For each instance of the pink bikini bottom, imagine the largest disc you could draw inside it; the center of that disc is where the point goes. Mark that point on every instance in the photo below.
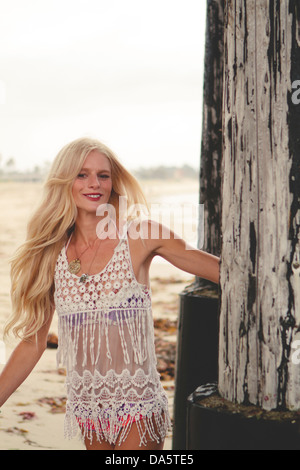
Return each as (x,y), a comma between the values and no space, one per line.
(122,422)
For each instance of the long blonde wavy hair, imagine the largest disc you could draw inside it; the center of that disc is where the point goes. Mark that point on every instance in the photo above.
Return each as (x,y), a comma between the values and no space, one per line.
(33,265)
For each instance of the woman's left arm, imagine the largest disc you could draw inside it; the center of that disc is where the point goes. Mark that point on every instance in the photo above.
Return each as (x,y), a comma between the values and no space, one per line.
(185,257)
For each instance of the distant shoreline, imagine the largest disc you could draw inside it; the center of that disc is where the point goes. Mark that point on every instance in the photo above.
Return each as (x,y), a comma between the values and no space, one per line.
(160,173)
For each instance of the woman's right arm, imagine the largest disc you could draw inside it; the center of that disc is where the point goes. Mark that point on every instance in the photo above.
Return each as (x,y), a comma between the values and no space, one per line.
(22,361)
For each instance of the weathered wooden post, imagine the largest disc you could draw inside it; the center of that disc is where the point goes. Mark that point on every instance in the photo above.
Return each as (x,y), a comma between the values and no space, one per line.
(260,274)
(197,346)
(260,261)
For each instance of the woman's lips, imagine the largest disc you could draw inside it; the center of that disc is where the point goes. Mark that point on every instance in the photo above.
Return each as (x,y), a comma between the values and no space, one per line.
(93,196)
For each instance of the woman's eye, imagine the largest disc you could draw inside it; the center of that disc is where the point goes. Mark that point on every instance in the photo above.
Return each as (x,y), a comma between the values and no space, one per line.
(101,175)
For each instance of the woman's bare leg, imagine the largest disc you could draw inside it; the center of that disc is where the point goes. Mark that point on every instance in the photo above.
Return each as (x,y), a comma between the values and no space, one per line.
(96,445)
(132,442)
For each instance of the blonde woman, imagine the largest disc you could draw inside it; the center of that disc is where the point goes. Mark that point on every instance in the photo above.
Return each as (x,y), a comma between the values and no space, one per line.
(92,267)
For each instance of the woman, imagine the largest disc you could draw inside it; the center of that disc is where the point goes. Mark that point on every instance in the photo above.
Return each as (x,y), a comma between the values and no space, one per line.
(92,266)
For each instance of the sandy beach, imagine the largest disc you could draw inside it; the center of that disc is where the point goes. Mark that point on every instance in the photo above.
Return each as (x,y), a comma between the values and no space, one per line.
(33,417)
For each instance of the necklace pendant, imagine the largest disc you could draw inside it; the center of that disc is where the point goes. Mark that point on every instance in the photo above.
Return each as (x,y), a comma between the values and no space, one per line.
(74,266)
(84,278)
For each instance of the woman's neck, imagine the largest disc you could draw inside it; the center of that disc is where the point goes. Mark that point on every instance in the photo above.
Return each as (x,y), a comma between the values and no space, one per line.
(85,229)
(89,228)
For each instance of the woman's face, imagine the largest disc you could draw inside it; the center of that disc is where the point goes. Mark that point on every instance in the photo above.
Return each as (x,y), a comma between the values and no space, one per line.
(93,185)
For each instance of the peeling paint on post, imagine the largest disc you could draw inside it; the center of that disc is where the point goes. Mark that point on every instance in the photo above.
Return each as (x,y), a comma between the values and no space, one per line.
(260,261)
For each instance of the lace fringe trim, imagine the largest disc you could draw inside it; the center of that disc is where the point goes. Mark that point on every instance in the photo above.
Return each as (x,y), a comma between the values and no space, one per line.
(89,383)
(152,427)
(133,324)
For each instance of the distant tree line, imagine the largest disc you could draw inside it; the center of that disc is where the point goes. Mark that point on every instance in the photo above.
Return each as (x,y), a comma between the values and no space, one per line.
(9,171)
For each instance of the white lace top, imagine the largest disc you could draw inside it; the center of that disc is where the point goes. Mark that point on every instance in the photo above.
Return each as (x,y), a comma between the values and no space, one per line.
(106,342)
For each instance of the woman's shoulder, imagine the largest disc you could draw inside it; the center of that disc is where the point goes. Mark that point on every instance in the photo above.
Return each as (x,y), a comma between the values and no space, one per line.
(144,229)
(148,234)
(148,229)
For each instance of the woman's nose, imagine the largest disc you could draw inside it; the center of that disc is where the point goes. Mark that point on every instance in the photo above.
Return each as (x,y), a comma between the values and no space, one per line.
(94,181)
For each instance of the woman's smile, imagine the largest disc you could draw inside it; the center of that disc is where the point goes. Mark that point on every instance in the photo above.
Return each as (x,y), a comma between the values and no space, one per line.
(93,196)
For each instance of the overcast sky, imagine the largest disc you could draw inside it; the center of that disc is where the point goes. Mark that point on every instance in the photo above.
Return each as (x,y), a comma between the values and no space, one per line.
(128,72)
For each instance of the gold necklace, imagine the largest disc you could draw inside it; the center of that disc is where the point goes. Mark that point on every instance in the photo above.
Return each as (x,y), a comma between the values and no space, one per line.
(85,276)
(75,265)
